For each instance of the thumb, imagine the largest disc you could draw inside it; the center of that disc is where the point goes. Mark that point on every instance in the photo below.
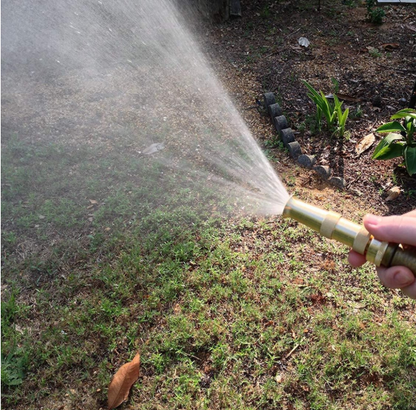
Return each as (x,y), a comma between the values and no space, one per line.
(398,229)
(398,277)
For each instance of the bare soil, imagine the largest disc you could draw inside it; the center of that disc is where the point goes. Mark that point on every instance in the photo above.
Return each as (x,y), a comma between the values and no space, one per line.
(374,67)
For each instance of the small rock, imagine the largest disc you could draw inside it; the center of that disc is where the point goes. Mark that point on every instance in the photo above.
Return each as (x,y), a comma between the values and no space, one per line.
(306,161)
(338,182)
(235,8)
(324,171)
(205,381)
(294,149)
(403,102)
(269,99)
(151,149)
(393,193)
(357,192)
(274,110)
(376,101)
(287,136)
(280,123)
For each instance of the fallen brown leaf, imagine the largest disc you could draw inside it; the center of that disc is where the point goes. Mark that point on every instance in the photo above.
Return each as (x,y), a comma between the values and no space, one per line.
(365,144)
(120,386)
(349,98)
(390,46)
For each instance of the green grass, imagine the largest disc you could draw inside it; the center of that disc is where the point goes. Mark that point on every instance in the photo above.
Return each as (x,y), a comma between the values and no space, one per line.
(226,313)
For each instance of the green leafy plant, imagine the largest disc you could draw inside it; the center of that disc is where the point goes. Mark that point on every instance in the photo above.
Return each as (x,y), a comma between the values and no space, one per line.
(400,141)
(374,14)
(341,116)
(13,368)
(374,52)
(335,117)
(335,84)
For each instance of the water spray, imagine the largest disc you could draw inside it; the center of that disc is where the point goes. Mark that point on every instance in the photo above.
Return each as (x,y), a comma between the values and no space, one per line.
(333,226)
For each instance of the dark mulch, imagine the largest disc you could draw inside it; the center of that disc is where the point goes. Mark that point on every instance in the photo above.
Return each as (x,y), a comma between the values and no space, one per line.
(373,66)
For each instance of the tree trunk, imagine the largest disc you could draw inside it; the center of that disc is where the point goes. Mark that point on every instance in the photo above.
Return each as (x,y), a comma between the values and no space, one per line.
(217,10)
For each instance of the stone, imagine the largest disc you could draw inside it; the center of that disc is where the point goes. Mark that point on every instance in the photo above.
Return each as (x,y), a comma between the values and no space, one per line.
(287,136)
(403,102)
(280,123)
(294,149)
(376,101)
(151,149)
(274,110)
(339,182)
(235,8)
(323,171)
(306,161)
(269,99)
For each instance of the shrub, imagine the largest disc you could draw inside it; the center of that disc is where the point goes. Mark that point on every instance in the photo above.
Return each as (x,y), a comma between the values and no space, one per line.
(400,141)
(374,14)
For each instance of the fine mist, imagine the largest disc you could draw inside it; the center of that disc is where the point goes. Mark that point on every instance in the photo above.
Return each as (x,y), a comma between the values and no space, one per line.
(122,88)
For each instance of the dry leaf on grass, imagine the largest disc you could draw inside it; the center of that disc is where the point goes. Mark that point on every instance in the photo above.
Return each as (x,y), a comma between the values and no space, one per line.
(120,386)
(393,193)
(365,143)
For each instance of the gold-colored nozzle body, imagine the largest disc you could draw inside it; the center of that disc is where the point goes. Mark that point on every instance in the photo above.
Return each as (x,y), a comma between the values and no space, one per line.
(333,226)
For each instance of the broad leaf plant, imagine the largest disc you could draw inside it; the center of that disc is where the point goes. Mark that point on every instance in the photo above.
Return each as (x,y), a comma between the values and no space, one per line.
(401,139)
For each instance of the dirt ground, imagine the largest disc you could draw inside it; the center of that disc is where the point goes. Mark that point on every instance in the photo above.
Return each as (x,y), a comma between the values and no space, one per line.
(371,66)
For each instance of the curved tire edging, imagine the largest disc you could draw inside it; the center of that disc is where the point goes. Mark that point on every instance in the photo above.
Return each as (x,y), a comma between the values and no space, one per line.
(287,136)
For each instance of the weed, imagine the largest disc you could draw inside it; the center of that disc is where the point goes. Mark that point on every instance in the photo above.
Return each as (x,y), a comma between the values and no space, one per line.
(265,12)
(13,367)
(357,112)
(272,143)
(350,3)
(374,14)
(335,84)
(374,52)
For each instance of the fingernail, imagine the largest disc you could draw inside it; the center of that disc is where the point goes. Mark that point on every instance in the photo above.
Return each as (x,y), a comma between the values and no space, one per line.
(402,279)
(372,220)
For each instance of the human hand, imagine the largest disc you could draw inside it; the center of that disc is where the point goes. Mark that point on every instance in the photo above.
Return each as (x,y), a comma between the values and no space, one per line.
(397,229)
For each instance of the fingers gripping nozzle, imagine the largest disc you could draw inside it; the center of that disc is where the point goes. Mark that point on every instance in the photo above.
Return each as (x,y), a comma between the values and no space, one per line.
(333,226)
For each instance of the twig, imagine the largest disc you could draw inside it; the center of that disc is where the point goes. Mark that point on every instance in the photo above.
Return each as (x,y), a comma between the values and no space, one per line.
(290,353)
(396,69)
(293,32)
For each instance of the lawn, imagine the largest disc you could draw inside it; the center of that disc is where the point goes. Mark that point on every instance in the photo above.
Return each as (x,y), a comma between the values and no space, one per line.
(236,312)
(108,250)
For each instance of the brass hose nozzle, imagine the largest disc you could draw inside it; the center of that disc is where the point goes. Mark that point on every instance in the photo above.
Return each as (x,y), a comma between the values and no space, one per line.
(333,226)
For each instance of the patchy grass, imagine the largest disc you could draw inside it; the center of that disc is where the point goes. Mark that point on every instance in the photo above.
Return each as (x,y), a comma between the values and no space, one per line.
(239,313)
